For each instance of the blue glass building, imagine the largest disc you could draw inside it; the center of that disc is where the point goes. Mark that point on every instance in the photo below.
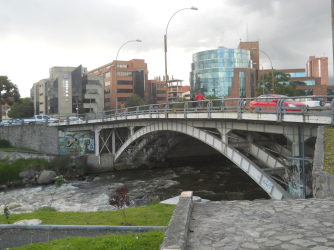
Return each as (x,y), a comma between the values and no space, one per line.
(223,72)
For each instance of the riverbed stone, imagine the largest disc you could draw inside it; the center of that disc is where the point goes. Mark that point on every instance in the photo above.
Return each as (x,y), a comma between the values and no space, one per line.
(29,174)
(46,177)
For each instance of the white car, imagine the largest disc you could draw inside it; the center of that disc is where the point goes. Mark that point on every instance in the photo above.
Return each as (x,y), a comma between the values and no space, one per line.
(312,101)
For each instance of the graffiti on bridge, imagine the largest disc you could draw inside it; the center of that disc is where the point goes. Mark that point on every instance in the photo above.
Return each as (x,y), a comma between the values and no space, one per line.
(80,143)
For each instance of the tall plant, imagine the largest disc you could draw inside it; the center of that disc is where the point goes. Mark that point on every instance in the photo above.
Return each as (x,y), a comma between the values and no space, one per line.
(121,200)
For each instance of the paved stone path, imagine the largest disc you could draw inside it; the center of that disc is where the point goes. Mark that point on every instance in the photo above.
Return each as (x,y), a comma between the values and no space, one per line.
(262,224)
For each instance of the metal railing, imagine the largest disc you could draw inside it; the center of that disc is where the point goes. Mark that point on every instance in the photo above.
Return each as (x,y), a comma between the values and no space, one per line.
(237,105)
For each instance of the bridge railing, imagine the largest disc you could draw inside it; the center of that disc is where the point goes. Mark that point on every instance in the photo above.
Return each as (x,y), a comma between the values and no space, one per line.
(208,106)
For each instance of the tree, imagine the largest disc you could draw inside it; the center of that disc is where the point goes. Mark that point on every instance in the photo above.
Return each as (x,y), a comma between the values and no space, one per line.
(215,103)
(281,84)
(9,92)
(134,100)
(22,109)
(120,200)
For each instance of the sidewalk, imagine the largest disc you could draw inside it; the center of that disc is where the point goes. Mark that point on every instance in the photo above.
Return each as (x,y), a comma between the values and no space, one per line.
(262,224)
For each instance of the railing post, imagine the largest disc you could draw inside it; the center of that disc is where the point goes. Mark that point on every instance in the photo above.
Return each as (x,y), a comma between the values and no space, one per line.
(150,110)
(280,104)
(208,108)
(185,109)
(137,111)
(241,103)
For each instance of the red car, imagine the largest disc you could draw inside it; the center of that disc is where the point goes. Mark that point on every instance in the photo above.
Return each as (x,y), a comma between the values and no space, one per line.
(266,101)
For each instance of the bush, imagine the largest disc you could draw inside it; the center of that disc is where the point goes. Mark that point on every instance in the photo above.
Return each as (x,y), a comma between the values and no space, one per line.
(4,144)
(10,172)
(60,163)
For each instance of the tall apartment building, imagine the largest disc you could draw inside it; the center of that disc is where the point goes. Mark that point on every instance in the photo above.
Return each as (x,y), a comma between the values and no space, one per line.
(131,79)
(67,90)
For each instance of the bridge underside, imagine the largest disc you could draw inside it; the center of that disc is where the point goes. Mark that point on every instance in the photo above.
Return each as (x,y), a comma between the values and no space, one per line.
(269,154)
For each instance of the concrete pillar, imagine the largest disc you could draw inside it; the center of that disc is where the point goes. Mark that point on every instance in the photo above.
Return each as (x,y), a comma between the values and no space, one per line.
(97,141)
(131,131)
(224,134)
(113,139)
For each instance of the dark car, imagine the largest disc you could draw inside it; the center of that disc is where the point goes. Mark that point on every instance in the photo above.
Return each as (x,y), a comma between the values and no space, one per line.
(267,101)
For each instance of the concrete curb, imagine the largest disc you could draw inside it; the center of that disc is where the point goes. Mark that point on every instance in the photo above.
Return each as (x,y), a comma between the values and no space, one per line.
(177,232)
(71,227)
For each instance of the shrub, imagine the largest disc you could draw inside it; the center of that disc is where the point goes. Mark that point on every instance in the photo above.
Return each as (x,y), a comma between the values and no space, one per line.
(4,144)
(121,200)
(60,163)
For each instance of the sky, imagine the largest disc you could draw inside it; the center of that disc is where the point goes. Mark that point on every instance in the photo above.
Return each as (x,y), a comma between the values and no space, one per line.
(39,34)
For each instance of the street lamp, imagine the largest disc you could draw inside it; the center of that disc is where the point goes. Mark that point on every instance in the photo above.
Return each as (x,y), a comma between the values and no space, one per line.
(272,69)
(116,68)
(165,40)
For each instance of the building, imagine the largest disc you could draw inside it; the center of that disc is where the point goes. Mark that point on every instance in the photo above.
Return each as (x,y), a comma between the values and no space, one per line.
(176,91)
(311,80)
(156,91)
(131,79)
(225,72)
(66,91)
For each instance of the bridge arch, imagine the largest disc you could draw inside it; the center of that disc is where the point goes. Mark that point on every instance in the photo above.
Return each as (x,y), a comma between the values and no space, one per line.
(273,189)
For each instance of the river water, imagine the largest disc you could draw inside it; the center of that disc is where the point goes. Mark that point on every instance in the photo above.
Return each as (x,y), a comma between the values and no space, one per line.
(220,180)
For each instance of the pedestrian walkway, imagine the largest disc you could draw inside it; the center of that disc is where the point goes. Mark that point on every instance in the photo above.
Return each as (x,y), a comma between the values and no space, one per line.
(262,224)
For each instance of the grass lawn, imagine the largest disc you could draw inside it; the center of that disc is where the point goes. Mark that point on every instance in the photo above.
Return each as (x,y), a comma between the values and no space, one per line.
(329,150)
(18,149)
(152,215)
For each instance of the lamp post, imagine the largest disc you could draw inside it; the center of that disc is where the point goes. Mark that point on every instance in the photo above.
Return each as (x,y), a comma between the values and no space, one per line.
(262,78)
(116,68)
(272,69)
(165,40)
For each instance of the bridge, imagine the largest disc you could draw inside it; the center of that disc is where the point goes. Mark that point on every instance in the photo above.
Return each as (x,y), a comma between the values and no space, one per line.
(274,147)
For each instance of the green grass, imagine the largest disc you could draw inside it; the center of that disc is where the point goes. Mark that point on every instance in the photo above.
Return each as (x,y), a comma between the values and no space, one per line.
(153,215)
(150,240)
(9,172)
(329,150)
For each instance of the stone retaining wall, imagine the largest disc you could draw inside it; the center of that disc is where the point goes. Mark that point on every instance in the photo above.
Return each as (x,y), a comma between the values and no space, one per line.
(15,155)
(177,232)
(38,137)
(323,182)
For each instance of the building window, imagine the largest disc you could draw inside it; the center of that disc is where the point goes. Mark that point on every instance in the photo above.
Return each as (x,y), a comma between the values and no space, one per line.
(107,83)
(41,85)
(160,85)
(107,91)
(41,94)
(124,73)
(107,100)
(41,103)
(124,82)
(122,66)
(161,91)
(122,99)
(125,91)
(106,74)
(242,84)
(161,98)
(41,112)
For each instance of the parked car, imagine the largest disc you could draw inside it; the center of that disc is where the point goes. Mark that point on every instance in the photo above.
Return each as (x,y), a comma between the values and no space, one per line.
(267,101)
(74,119)
(10,122)
(40,119)
(312,101)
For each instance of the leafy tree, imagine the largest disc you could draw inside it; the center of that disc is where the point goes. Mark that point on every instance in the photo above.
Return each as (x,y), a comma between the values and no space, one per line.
(22,109)
(9,92)
(134,100)
(215,103)
(281,84)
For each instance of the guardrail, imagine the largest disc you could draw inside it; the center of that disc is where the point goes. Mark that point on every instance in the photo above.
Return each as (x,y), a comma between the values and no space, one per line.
(239,105)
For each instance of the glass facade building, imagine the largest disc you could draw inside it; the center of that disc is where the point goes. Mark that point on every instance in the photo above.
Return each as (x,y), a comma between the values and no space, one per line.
(213,71)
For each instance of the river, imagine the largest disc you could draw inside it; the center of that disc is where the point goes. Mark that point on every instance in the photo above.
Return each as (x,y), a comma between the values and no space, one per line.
(220,180)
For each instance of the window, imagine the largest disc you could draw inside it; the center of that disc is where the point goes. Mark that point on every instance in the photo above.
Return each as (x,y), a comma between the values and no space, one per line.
(161,91)
(107,91)
(125,91)
(160,85)
(124,73)
(122,66)
(123,99)
(41,94)
(107,74)
(41,85)
(107,100)
(242,84)
(124,82)
(41,103)
(107,83)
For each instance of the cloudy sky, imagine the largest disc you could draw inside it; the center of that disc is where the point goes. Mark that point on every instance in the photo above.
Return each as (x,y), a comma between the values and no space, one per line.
(39,34)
